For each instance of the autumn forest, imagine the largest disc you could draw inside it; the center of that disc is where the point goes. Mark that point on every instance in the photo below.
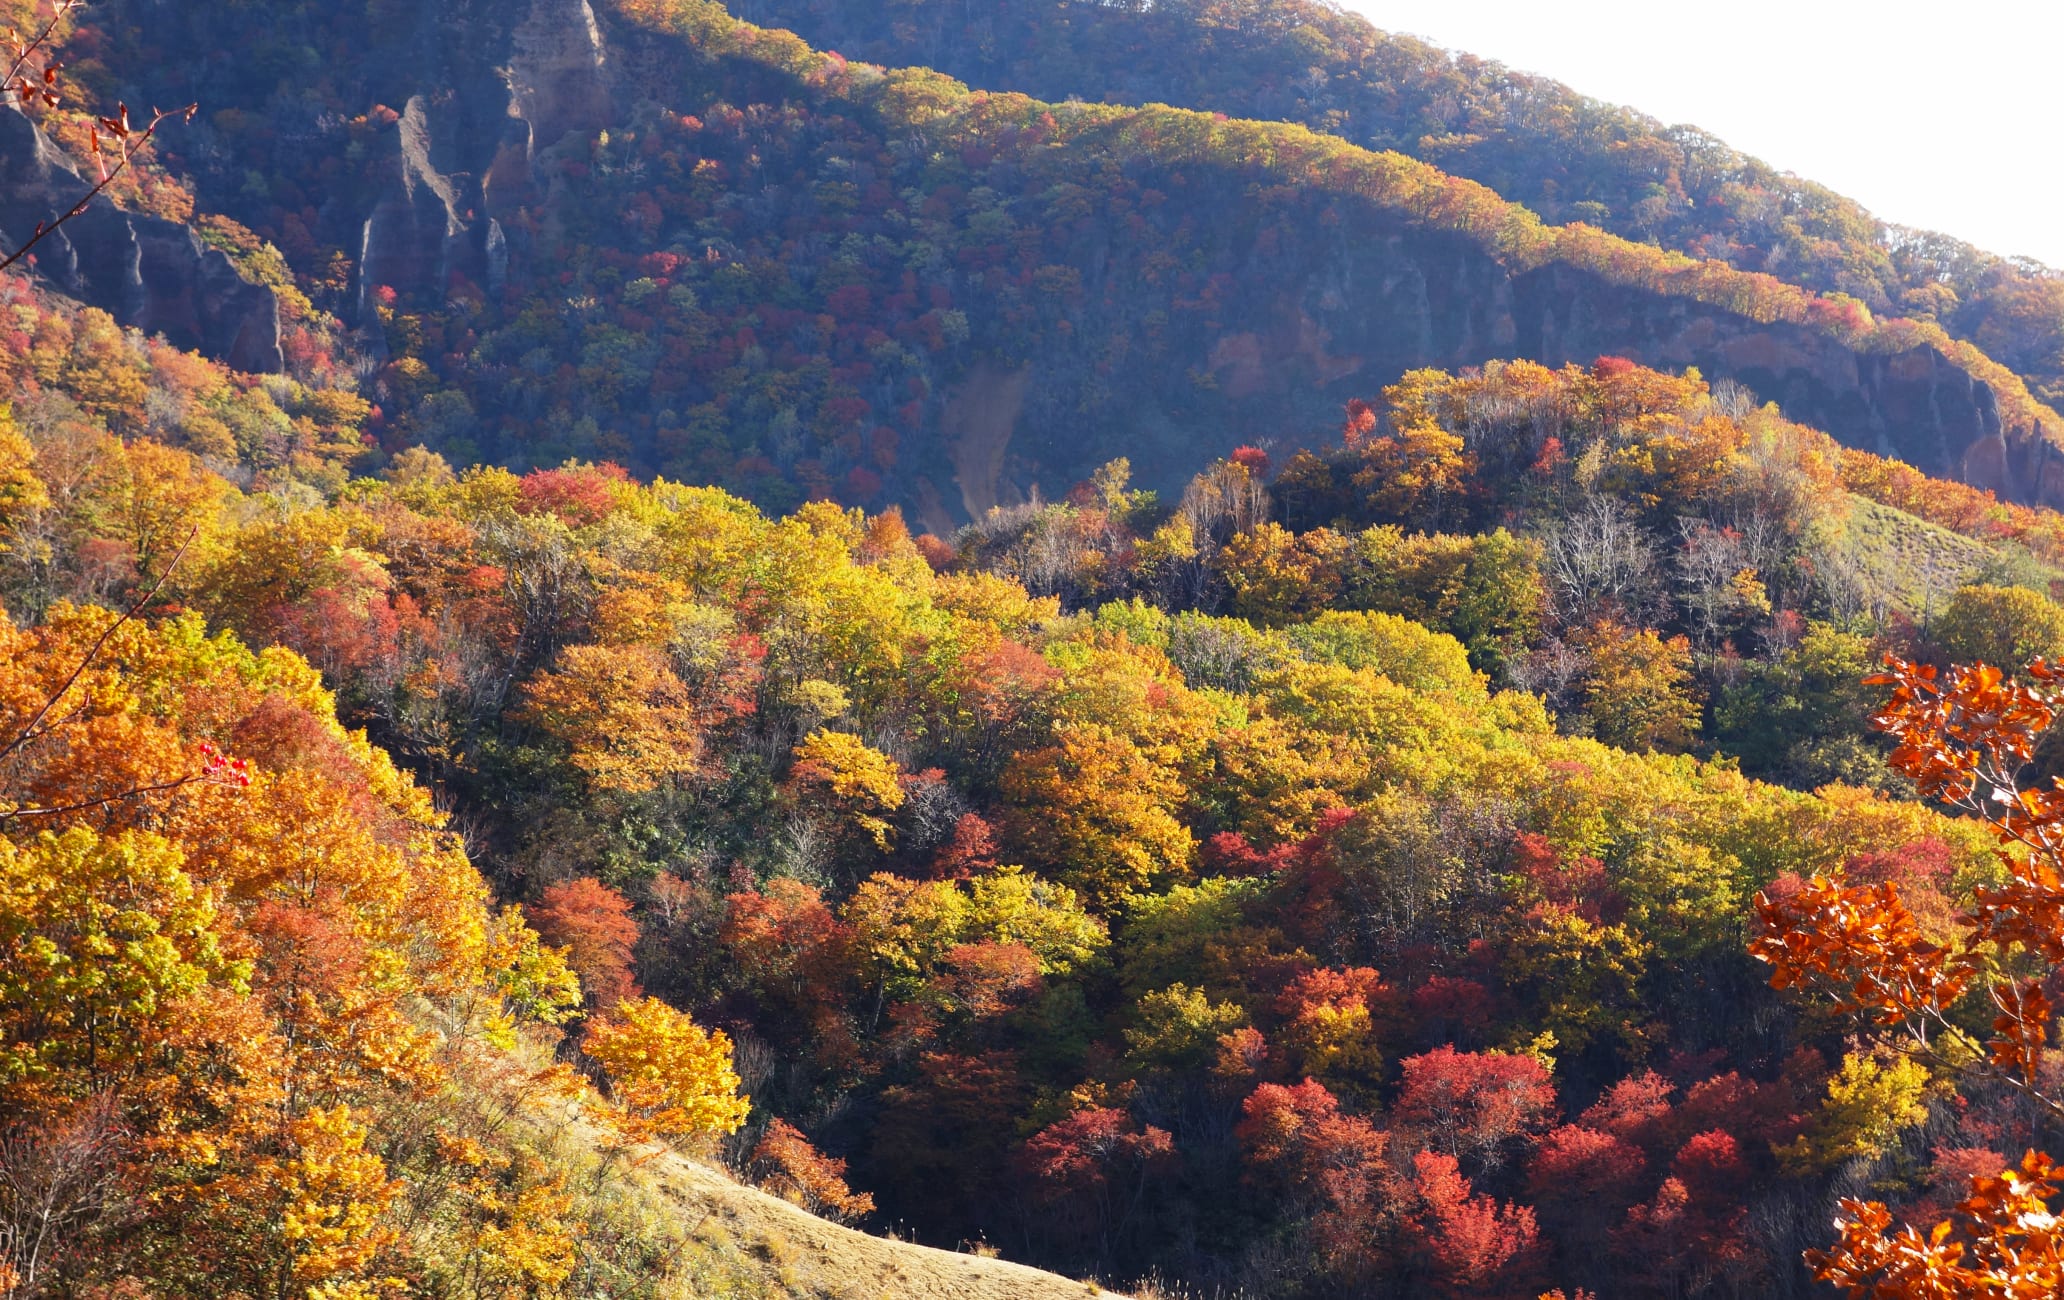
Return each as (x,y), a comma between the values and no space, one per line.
(1185,643)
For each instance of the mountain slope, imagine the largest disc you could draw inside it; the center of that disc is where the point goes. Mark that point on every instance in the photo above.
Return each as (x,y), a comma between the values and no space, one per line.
(652,234)
(1566,156)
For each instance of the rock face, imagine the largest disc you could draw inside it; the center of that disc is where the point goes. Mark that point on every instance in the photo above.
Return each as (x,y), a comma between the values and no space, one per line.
(489,88)
(1345,319)
(148,273)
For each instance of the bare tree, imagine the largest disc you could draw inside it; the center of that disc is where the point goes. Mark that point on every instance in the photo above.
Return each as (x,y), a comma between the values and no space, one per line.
(1599,561)
(58,1182)
(1707,565)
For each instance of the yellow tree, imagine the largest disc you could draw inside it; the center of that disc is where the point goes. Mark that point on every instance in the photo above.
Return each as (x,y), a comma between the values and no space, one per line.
(856,785)
(1638,690)
(1097,813)
(670,1078)
(623,712)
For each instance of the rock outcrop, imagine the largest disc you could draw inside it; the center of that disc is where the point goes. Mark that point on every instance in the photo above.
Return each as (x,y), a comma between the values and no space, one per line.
(1345,317)
(490,89)
(148,273)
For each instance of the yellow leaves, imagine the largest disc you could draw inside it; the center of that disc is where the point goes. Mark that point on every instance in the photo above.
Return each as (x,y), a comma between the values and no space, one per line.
(627,718)
(1333,1039)
(1583,976)
(1015,906)
(1868,1104)
(669,1077)
(533,979)
(1099,814)
(1638,689)
(1273,782)
(1277,575)
(21,491)
(904,928)
(998,601)
(2006,626)
(860,781)
(99,939)
(1178,1028)
(329,1194)
(518,1236)
(636,608)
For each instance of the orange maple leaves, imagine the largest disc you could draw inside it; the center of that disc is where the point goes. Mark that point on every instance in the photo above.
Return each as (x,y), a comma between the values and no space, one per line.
(1964,739)
(2002,1243)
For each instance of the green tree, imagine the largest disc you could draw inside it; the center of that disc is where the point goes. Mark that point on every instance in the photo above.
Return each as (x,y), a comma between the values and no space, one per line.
(2003,626)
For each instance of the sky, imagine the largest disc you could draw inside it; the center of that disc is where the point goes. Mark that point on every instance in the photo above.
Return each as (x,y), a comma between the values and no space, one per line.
(1947,116)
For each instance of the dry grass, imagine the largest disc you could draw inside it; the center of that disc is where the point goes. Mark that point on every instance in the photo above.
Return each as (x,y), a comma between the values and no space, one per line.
(754,1245)
(1907,563)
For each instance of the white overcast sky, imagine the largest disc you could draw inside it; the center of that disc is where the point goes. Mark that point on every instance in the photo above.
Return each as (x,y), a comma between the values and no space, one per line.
(1948,116)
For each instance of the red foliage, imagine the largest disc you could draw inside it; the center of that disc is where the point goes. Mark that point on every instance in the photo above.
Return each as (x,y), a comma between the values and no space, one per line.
(580,495)
(793,952)
(1472,1246)
(971,851)
(1581,886)
(1228,853)
(1474,1104)
(862,484)
(1080,1156)
(1637,1109)
(1584,1172)
(784,1163)
(1921,871)
(937,553)
(1711,1167)
(1452,1008)
(1361,422)
(1296,1140)
(594,924)
(1295,1136)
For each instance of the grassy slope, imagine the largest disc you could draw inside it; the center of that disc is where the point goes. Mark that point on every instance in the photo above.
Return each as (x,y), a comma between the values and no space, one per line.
(668,1226)
(733,1242)
(760,1245)
(1905,562)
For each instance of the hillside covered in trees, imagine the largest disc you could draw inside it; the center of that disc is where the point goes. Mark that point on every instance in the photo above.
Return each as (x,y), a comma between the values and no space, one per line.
(1333,881)
(1165,697)
(1565,156)
(652,234)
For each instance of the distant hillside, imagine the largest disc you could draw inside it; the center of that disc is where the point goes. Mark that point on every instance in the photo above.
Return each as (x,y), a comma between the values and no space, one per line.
(1566,156)
(654,235)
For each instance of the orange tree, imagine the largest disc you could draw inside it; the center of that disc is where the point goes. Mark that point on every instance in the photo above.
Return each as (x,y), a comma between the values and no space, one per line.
(1965,738)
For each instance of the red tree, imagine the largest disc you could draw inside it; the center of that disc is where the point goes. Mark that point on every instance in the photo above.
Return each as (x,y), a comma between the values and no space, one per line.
(1471,1245)
(594,924)
(1474,1105)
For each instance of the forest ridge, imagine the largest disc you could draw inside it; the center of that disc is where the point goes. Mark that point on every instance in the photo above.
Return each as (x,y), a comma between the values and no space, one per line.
(848,624)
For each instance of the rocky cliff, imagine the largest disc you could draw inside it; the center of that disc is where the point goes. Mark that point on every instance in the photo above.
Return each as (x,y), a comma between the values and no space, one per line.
(148,273)
(488,88)
(1313,330)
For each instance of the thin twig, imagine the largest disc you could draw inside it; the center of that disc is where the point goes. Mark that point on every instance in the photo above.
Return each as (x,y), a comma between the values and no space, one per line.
(133,144)
(29,732)
(23,53)
(139,792)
